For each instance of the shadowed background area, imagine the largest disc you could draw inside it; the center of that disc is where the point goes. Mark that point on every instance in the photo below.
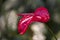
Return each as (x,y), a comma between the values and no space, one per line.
(9,20)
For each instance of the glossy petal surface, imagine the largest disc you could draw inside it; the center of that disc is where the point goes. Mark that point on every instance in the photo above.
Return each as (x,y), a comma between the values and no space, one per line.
(40,15)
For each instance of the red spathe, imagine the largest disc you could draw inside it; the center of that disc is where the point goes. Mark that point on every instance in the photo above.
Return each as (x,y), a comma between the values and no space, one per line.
(40,15)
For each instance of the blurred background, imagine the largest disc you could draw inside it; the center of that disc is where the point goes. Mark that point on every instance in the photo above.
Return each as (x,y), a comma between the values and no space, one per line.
(9,20)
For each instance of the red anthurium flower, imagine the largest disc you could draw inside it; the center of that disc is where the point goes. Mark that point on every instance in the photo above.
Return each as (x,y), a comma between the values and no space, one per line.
(40,15)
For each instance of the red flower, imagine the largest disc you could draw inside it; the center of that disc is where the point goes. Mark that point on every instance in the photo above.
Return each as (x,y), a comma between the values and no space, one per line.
(40,15)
